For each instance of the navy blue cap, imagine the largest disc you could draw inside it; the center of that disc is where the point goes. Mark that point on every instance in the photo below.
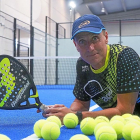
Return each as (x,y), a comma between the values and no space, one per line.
(87,23)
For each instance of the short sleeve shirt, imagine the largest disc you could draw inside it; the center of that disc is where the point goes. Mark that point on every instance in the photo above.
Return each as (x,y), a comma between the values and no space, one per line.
(120,75)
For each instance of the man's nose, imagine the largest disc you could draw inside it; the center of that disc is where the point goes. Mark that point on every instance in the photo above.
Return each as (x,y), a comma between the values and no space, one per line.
(91,46)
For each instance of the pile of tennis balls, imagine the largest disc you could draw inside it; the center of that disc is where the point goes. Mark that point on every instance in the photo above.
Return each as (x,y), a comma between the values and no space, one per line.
(48,129)
(126,126)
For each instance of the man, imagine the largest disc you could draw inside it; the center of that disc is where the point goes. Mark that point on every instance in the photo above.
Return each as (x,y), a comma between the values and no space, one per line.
(107,74)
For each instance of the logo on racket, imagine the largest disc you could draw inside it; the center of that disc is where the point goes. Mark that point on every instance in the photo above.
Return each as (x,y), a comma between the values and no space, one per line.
(19,96)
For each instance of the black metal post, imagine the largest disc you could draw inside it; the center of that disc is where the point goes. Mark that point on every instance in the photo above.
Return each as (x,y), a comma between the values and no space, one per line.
(120,32)
(46,49)
(18,44)
(31,41)
(64,33)
(56,73)
(46,19)
(31,49)
(31,9)
(14,38)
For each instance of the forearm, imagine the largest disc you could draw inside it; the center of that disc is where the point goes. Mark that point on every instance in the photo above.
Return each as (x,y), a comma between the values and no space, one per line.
(106,112)
(79,106)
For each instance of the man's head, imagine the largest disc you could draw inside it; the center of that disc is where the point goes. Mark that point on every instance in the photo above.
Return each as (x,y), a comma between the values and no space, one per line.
(87,23)
(91,39)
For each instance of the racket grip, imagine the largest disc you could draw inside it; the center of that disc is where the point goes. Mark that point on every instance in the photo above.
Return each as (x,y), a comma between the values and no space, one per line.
(43,107)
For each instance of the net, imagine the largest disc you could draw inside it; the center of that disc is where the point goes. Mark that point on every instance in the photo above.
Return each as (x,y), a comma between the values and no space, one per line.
(52,72)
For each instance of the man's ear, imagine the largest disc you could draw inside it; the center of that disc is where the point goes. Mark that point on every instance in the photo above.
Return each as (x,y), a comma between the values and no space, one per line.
(75,45)
(106,36)
(74,42)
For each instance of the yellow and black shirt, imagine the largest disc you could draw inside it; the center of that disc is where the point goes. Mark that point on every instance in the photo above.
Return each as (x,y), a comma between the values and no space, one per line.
(120,74)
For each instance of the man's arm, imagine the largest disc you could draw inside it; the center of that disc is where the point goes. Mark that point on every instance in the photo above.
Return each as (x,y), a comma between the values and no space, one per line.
(125,104)
(78,105)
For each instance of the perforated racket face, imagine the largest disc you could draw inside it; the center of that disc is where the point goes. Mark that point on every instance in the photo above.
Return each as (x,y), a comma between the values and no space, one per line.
(15,84)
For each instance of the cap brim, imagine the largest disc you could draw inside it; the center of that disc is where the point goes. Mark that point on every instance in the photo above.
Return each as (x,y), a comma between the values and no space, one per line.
(89,29)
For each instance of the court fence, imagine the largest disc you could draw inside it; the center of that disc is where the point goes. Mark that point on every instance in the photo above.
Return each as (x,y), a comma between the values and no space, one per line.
(23,40)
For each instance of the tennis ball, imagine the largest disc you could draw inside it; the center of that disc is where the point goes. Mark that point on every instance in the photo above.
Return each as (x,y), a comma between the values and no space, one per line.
(133,117)
(100,119)
(70,120)
(106,133)
(99,125)
(4,137)
(135,134)
(50,131)
(131,120)
(127,129)
(37,127)
(126,115)
(118,117)
(118,126)
(79,137)
(54,119)
(87,126)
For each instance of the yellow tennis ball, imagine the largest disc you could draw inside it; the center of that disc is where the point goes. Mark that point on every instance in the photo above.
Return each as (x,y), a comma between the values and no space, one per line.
(4,137)
(135,134)
(87,126)
(79,137)
(133,117)
(100,119)
(106,133)
(118,117)
(54,119)
(38,126)
(50,131)
(70,120)
(126,115)
(131,120)
(118,126)
(127,129)
(99,125)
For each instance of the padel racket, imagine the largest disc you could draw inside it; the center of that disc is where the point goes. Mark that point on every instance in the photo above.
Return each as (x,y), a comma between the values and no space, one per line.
(16,85)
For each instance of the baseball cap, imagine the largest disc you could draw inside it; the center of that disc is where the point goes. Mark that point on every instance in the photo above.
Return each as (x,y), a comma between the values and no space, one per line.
(87,23)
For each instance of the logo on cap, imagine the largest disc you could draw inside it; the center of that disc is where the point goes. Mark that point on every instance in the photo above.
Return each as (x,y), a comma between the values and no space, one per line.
(84,23)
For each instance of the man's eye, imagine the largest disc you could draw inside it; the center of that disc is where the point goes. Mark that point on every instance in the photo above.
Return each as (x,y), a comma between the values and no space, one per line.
(82,41)
(95,38)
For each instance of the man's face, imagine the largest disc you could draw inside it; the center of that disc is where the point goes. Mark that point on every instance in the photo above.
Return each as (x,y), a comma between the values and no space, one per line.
(92,47)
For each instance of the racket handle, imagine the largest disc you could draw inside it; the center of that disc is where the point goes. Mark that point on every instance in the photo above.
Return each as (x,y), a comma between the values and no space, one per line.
(43,107)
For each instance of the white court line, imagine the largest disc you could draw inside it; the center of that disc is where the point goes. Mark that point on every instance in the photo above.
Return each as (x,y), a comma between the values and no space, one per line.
(34,137)
(31,137)
(93,107)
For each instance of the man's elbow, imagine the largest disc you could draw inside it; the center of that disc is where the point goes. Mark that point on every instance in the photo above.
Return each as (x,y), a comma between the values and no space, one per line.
(126,110)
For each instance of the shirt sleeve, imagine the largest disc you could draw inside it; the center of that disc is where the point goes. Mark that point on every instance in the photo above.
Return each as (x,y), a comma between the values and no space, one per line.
(78,91)
(128,71)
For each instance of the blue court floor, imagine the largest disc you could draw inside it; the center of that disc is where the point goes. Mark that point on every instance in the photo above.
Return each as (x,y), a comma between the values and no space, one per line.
(18,124)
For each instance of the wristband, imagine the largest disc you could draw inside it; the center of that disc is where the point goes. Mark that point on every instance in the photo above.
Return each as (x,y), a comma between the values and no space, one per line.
(79,115)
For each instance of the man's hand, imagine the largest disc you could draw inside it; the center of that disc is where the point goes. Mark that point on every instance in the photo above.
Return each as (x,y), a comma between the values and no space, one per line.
(57,110)
(43,107)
